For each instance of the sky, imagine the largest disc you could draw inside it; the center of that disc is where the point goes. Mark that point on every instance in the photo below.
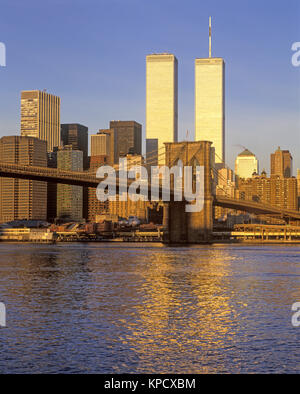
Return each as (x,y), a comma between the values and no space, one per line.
(92,53)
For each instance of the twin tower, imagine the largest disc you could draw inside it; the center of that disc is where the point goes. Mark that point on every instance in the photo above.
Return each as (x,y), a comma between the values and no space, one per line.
(162,103)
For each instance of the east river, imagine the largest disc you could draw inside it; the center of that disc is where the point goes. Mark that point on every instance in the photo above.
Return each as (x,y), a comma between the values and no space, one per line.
(148,308)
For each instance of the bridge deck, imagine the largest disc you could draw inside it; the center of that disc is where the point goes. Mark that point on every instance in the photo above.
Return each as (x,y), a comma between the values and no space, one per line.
(255,207)
(87,179)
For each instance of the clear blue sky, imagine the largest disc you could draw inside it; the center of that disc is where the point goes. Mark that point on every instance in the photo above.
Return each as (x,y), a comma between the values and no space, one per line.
(91,53)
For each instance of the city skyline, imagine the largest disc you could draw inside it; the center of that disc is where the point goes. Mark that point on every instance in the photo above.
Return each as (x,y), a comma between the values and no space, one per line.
(149,190)
(261,107)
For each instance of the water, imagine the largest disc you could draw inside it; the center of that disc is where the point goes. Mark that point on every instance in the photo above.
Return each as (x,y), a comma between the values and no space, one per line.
(147,308)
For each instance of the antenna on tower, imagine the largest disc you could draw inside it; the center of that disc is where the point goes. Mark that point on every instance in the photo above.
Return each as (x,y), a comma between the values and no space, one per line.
(210,36)
(187,135)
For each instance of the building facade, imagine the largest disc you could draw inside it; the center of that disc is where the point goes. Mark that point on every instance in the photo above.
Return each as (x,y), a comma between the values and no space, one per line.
(282,163)
(225,187)
(22,198)
(210,104)
(76,135)
(127,208)
(126,138)
(276,191)
(52,189)
(100,143)
(69,197)
(40,117)
(96,207)
(161,101)
(246,164)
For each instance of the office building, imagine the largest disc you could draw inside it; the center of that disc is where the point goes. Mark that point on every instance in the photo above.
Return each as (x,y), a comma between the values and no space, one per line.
(40,117)
(22,198)
(210,104)
(161,101)
(124,209)
(126,138)
(246,164)
(282,163)
(96,207)
(52,189)
(69,197)
(100,143)
(76,135)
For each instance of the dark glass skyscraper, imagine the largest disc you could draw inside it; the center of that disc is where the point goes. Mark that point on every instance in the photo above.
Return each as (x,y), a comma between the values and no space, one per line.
(76,135)
(127,138)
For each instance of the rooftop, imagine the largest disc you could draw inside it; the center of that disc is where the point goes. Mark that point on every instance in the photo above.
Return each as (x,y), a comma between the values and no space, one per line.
(246,152)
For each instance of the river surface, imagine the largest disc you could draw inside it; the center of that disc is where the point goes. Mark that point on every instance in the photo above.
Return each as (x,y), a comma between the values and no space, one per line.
(148,308)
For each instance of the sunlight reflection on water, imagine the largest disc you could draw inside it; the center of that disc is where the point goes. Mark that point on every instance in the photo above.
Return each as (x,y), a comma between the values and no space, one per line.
(149,308)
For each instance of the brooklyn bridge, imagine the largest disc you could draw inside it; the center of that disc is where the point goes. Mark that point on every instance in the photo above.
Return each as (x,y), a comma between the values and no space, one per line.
(181,226)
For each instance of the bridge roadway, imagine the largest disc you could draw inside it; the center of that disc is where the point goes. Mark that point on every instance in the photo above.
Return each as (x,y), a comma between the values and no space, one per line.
(87,179)
(47,174)
(255,207)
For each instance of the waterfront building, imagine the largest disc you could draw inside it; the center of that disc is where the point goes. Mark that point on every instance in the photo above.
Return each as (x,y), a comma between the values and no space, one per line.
(282,163)
(275,190)
(70,197)
(161,101)
(40,117)
(246,164)
(124,209)
(22,198)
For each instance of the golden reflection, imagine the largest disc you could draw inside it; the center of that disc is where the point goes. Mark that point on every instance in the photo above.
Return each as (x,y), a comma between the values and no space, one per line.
(182,307)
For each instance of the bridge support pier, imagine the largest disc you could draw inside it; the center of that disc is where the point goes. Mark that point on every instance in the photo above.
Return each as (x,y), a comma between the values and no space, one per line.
(190,227)
(187,227)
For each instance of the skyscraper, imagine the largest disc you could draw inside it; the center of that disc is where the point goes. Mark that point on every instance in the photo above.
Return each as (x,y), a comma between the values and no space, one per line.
(246,164)
(161,101)
(76,135)
(282,163)
(69,197)
(100,143)
(22,198)
(210,103)
(126,138)
(40,117)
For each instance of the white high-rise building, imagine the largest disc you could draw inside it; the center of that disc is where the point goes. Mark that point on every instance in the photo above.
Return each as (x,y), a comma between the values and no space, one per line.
(161,101)
(210,102)
(40,117)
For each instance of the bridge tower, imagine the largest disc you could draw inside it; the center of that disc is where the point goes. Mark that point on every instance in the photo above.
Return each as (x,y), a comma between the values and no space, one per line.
(190,227)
